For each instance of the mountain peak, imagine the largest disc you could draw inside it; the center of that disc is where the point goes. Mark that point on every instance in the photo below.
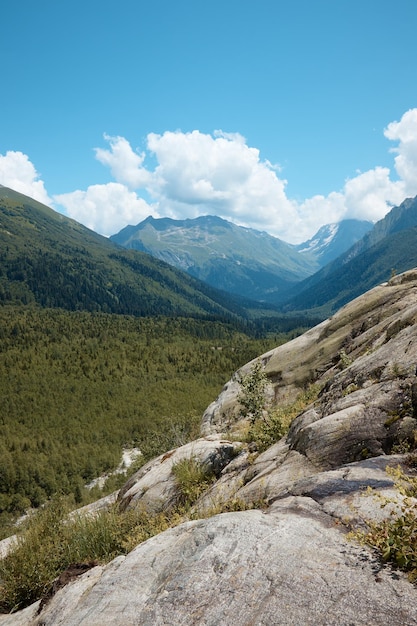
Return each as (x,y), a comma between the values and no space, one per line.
(233,258)
(332,240)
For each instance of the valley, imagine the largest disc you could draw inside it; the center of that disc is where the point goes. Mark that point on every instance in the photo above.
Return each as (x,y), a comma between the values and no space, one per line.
(104,349)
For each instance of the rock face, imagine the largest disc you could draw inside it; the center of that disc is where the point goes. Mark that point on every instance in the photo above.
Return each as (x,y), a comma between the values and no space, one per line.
(154,487)
(291,562)
(291,565)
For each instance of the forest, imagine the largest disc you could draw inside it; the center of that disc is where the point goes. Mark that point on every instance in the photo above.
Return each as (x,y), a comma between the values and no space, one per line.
(78,387)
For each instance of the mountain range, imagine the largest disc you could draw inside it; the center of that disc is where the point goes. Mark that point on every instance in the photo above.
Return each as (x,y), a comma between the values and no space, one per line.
(240,260)
(389,248)
(231,272)
(332,240)
(339,263)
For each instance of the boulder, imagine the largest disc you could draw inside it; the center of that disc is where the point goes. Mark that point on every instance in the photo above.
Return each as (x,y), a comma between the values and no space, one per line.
(154,487)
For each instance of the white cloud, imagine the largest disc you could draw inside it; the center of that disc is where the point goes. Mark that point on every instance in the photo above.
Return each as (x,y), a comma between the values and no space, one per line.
(105,208)
(199,174)
(19,173)
(124,163)
(196,174)
(405,132)
(371,194)
(368,196)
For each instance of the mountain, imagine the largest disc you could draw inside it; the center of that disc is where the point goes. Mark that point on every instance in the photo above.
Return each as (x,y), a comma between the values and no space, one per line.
(391,246)
(239,260)
(332,240)
(311,524)
(53,261)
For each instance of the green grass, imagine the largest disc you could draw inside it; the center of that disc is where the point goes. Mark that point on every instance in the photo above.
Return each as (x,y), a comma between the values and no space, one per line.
(192,479)
(395,538)
(52,540)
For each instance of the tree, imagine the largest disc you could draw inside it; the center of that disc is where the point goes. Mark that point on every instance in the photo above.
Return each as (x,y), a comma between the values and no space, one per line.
(252,392)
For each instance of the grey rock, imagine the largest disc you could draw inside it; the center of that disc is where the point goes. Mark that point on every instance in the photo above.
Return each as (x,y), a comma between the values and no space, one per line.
(292,565)
(154,487)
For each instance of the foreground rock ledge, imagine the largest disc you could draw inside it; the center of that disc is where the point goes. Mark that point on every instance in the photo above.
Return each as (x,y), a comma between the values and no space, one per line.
(291,565)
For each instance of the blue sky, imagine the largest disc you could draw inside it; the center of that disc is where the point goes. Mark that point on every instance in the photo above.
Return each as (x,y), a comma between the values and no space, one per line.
(279,115)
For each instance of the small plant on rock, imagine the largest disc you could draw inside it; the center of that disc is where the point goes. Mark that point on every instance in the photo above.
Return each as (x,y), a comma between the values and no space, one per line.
(193,479)
(395,538)
(268,423)
(252,393)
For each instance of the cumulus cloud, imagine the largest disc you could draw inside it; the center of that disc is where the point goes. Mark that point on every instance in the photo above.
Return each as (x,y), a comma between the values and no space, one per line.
(105,208)
(405,132)
(19,173)
(124,163)
(197,173)
(371,194)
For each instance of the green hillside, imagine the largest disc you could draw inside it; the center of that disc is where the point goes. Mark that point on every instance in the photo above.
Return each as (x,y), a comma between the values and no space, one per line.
(395,253)
(101,348)
(76,387)
(50,260)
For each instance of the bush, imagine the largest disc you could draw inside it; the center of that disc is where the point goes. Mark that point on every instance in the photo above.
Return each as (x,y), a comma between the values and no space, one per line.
(276,421)
(252,393)
(395,538)
(193,479)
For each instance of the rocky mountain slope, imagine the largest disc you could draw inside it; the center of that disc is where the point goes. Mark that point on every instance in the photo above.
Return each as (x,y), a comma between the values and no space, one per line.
(389,246)
(332,240)
(289,559)
(238,260)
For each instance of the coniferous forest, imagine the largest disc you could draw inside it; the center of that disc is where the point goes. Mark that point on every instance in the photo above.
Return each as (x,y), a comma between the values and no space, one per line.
(76,387)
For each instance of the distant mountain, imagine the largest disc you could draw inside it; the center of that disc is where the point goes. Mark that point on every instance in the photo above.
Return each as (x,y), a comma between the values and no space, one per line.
(53,261)
(391,246)
(398,219)
(332,240)
(240,260)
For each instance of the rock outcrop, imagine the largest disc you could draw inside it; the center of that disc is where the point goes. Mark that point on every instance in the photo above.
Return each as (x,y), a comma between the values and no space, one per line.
(290,562)
(291,565)
(154,487)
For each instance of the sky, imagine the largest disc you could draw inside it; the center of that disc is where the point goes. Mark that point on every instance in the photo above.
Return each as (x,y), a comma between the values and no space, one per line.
(279,115)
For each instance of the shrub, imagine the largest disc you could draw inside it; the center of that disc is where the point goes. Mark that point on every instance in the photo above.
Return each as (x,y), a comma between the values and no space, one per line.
(252,392)
(276,421)
(395,538)
(193,479)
